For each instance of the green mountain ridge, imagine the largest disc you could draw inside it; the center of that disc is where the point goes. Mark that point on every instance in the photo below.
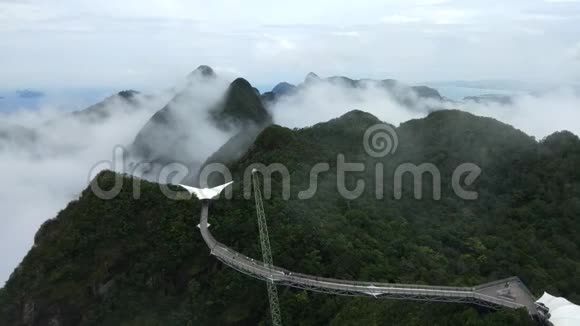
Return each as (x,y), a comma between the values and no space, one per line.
(409,96)
(240,109)
(103,110)
(143,262)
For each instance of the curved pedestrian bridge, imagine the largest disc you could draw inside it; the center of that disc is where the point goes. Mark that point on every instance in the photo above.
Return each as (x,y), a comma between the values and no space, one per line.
(507,293)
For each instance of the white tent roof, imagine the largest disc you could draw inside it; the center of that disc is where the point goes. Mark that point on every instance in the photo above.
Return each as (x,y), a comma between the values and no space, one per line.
(562,311)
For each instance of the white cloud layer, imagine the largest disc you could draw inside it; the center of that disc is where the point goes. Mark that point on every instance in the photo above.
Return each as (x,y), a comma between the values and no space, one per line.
(146,43)
(537,115)
(39,180)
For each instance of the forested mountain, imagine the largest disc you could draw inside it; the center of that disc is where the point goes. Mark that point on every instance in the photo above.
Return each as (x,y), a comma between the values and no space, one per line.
(124,100)
(409,96)
(169,125)
(143,262)
(241,108)
(175,131)
(33,138)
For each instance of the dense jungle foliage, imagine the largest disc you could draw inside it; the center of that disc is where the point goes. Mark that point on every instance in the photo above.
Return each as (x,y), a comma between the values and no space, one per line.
(142,261)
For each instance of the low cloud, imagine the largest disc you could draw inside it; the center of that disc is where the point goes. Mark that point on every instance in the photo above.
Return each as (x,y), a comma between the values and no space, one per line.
(40,179)
(324,101)
(538,115)
(574,52)
(40,175)
(399,19)
(189,137)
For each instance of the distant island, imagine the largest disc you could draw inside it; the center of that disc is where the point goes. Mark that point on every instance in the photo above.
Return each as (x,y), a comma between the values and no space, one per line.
(29,94)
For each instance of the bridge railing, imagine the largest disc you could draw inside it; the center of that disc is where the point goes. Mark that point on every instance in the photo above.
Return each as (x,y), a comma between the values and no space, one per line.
(254,266)
(283,274)
(227,252)
(220,249)
(516,279)
(504,303)
(494,283)
(361,287)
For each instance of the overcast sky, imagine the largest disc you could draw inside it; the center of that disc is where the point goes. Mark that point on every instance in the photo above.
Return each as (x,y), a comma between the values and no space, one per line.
(152,43)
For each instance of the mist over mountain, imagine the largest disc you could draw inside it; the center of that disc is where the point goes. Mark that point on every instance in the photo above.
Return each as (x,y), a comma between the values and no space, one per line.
(48,155)
(412,97)
(202,72)
(198,120)
(66,99)
(128,100)
(119,258)
(283,88)
(173,133)
(16,136)
(209,119)
(420,150)
(242,107)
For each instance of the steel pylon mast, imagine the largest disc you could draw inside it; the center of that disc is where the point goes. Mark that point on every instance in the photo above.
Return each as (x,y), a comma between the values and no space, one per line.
(266,252)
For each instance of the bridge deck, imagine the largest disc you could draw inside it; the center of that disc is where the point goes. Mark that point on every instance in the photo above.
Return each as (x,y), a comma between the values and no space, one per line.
(508,293)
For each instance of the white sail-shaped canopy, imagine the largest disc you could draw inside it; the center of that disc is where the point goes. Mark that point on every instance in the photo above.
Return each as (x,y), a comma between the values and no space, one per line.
(206,193)
(562,311)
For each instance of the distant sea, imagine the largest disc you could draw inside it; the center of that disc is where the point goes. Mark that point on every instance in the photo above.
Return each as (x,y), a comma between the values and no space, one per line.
(65,99)
(458,92)
(78,99)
